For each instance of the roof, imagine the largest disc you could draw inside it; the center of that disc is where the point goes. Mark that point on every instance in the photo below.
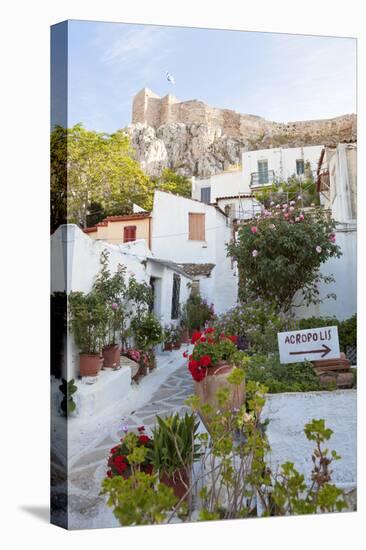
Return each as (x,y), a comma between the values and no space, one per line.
(171,265)
(124,218)
(193,200)
(242,196)
(195,270)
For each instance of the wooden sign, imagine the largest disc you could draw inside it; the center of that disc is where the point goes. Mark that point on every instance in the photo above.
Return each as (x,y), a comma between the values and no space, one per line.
(312,344)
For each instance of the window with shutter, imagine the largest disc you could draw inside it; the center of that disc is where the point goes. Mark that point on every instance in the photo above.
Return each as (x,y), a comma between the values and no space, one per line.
(129,233)
(300,167)
(175,296)
(196,227)
(206,194)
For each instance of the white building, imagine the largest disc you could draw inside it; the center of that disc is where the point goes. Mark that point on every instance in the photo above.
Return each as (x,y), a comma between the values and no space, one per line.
(264,167)
(227,191)
(75,260)
(194,235)
(337,184)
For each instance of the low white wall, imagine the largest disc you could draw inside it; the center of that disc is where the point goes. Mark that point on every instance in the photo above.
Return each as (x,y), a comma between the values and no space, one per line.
(344,270)
(289,412)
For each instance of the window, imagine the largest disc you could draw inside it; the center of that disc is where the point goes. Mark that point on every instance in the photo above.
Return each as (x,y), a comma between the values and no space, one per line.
(129,233)
(206,194)
(262,171)
(196,227)
(300,167)
(175,296)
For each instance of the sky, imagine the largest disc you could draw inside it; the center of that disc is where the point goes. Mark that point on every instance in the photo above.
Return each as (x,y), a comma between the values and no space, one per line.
(280,77)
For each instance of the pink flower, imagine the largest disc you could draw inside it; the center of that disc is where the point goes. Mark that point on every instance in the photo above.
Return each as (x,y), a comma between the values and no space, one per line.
(254,229)
(291,208)
(301,217)
(318,249)
(114,306)
(297,219)
(332,238)
(292,203)
(286,216)
(284,206)
(272,203)
(255,253)
(278,206)
(299,197)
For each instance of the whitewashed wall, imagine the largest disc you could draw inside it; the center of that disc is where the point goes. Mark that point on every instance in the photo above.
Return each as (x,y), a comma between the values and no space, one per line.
(289,412)
(170,241)
(344,270)
(225,184)
(282,161)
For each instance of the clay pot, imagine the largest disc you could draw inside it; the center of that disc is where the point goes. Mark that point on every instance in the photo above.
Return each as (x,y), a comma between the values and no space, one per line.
(89,365)
(177,345)
(168,346)
(179,482)
(185,336)
(216,379)
(111,356)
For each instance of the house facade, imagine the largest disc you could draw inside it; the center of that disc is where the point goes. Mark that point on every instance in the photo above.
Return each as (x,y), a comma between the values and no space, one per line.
(194,235)
(227,191)
(122,229)
(337,185)
(265,167)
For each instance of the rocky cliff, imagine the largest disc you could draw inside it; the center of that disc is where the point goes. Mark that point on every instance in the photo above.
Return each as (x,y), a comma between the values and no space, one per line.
(194,139)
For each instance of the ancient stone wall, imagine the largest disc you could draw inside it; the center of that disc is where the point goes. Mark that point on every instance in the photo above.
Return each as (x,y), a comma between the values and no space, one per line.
(150,109)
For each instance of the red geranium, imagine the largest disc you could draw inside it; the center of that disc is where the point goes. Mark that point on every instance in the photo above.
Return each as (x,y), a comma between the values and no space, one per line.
(196,336)
(233,339)
(203,339)
(205,361)
(209,330)
(185,354)
(141,428)
(114,450)
(144,439)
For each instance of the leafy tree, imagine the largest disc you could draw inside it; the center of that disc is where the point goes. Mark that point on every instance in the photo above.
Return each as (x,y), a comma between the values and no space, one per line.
(174,183)
(97,168)
(280,254)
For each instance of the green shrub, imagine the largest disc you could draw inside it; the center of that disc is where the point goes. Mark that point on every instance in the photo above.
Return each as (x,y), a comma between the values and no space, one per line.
(294,377)
(347,329)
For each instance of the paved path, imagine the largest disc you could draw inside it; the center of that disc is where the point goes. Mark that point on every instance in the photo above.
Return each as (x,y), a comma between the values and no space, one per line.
(86,508)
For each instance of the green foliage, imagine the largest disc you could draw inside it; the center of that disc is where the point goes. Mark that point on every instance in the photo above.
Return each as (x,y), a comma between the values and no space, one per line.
(99,168)
(280,254)
(218,347)
(147,331)
(174,446)
(88,320)
(196,312)
(68,388)
(347,329)
(139,499)
(257,321)
(174,183)
(293,377)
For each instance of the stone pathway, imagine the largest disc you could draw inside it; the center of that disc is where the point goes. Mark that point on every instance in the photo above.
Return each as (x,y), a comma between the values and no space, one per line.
(87,509)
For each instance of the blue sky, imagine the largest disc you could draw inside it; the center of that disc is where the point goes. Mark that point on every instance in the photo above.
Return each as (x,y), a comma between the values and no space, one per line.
(280,77)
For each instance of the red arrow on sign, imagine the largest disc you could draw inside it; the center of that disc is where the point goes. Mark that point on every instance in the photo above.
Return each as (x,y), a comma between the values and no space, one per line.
(325,350)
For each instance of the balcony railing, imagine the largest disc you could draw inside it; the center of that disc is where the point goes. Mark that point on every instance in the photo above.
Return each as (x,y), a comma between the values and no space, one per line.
(261,179)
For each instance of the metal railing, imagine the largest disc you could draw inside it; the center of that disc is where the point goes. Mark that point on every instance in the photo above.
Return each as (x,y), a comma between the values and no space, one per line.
(261,179)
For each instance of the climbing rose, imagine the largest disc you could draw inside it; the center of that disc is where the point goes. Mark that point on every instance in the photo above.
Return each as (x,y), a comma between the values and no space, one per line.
(332,238)
(255,253)
(292,203)
(318,249)
(297,219)
(114,306)
(254,229)
(301,217)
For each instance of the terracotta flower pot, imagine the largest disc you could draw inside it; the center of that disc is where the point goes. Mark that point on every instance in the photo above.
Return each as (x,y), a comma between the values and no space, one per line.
(216,379)
(185,336)
(111,356)
(179,482)
(89,364)
(168,346)
(177,345)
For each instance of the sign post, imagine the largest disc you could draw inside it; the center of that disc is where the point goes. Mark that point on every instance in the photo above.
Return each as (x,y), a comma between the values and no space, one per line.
(312,344)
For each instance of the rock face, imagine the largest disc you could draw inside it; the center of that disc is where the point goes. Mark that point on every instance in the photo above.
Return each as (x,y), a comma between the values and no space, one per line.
(192,138)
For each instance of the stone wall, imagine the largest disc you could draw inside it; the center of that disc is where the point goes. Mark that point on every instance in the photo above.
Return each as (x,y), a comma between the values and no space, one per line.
(150,109)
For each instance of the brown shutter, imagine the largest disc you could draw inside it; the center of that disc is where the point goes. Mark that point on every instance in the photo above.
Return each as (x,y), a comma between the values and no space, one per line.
(129,233)
(196,227)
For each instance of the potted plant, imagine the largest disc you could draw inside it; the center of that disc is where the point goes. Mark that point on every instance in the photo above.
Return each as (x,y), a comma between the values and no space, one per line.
(212,361)
(168,338)
(174,450)
(118,461)
(68,388)
(111,350)
(177,337)
(88,317)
